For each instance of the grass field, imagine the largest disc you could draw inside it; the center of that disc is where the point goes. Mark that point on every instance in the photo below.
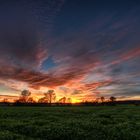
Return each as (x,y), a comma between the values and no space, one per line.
(70,123)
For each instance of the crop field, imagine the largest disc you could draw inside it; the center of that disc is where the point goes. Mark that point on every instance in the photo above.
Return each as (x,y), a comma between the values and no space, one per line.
(70,123)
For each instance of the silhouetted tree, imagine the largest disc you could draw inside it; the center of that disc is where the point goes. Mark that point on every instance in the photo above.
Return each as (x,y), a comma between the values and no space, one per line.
(102,99)
(5,100)
(69,100)
(50,95)
(112,99)
(24,96)
(25,93)
(62,100)
(43,100)
(30,100)
(97,100)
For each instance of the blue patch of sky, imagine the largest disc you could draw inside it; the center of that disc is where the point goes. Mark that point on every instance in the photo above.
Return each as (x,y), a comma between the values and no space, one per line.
(48,64)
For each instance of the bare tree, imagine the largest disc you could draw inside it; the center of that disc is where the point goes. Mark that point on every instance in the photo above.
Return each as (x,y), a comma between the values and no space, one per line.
(97,100)
(69,100)
(43,100)
(24,96)
(62,100)
(26,93)
(50,95)
(31,100)
(102,99)
(112,99)
(5,100)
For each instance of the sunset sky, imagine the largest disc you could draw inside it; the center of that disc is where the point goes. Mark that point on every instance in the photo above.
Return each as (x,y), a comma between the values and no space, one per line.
(82,49)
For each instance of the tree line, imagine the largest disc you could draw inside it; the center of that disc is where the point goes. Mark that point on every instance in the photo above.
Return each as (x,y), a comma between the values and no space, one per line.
(50,97)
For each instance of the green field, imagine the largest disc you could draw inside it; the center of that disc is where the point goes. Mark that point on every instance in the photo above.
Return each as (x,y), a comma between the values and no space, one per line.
(70,123)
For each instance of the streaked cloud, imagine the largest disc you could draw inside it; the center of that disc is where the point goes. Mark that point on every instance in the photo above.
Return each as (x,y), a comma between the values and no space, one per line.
(100,57)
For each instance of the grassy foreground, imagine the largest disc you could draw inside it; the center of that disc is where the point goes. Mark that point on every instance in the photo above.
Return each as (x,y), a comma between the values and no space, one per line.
(70,123)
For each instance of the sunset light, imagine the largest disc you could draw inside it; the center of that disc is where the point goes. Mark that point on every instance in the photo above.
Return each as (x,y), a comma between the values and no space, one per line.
(69,69)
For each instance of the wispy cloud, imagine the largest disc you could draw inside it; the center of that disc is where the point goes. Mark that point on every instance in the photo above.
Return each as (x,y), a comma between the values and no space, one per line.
(89,59)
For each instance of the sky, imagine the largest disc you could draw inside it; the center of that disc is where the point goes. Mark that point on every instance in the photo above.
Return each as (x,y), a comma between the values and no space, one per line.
(82,49)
